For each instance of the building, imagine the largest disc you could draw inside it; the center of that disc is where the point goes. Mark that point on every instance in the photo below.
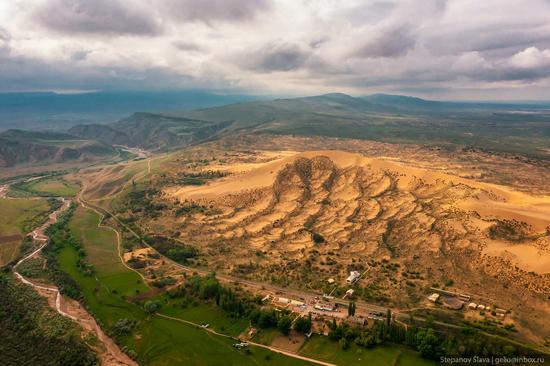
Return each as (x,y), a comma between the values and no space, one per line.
(297,303)
(349,292)
(481,307)
(353,277)
(283,300)
(330,281)
(433,297)
(324,306)
(472,305)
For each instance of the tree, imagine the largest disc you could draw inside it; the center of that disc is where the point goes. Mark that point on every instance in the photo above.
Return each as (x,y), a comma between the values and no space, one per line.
(303,324)
(351,308)
(388,318)
(284,324)
(427,344)
(152,306)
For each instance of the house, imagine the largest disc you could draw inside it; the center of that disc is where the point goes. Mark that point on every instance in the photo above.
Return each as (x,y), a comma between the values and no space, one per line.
(324,306)
(433,297)
(266,298)
(353,277)
(481,307)
(330,281)
(283,300)
(297,303)
(472,305)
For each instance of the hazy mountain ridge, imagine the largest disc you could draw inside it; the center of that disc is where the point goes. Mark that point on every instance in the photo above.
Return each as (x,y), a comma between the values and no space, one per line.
(24,147)
(48,110)
(515,128)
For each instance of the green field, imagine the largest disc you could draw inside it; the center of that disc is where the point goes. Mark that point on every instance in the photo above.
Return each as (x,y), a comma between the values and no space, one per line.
(156,340)
(48,187)
(388,355)
(17,218)
(209,314)
(266,336)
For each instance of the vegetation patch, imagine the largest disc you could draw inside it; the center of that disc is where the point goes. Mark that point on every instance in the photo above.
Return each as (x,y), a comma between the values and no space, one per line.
(19,216)
(34,334)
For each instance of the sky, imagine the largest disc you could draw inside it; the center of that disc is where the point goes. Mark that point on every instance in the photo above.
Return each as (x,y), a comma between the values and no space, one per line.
(454,49)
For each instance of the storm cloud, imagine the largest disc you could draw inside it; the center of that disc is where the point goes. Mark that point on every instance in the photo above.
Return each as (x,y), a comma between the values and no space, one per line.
(394,41)
(209,11)
(276,57)
(96,17)
(493,49)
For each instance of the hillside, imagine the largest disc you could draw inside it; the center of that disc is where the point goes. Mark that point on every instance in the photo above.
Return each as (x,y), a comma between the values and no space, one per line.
(514,128)
(24,147)
(298,218)
(47,110)
(150,131)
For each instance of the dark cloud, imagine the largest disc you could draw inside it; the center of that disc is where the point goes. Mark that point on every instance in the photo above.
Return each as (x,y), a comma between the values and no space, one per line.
(24,74)
(486,38)
(276,57)
(4,35)
(79,55)
(318,42)
(209,11)
(187,46)
(109,17)
(394,41)
(5,39)
(368,12)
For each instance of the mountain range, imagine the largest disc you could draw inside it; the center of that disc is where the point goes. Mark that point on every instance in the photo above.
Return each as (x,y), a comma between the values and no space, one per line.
(502,127)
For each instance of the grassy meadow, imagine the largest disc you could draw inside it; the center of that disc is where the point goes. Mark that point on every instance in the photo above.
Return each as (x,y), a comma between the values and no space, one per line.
(17,218)
(55,186)
(388,355)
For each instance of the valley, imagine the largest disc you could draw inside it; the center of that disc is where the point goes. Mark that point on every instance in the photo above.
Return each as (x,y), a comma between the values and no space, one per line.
(195,232)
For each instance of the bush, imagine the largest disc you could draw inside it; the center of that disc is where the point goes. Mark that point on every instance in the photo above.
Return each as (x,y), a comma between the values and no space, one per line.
(318,238)
(303,324)
(284,324)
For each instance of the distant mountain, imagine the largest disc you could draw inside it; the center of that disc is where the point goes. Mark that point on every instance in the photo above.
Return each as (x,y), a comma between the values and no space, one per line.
(151,131)
(53,111)
(523,128)
(24,147)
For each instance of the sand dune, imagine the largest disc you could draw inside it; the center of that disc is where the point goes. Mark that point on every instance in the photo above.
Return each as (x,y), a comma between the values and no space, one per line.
(363,206)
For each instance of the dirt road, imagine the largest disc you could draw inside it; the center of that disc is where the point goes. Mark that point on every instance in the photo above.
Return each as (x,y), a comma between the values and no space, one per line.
(274,349)
(108,351)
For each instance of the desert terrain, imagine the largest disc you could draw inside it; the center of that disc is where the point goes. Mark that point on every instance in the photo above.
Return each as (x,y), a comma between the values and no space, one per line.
(299,218)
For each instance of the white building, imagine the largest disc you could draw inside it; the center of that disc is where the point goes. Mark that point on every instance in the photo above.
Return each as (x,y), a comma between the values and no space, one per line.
(324,306)
(353,277)
(283,300)
(330,281)
(297,303)
(349,292)
(472,305)
(433,297)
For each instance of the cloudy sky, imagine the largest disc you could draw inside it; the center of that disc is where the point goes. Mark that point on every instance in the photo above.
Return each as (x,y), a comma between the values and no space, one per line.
(454,49)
